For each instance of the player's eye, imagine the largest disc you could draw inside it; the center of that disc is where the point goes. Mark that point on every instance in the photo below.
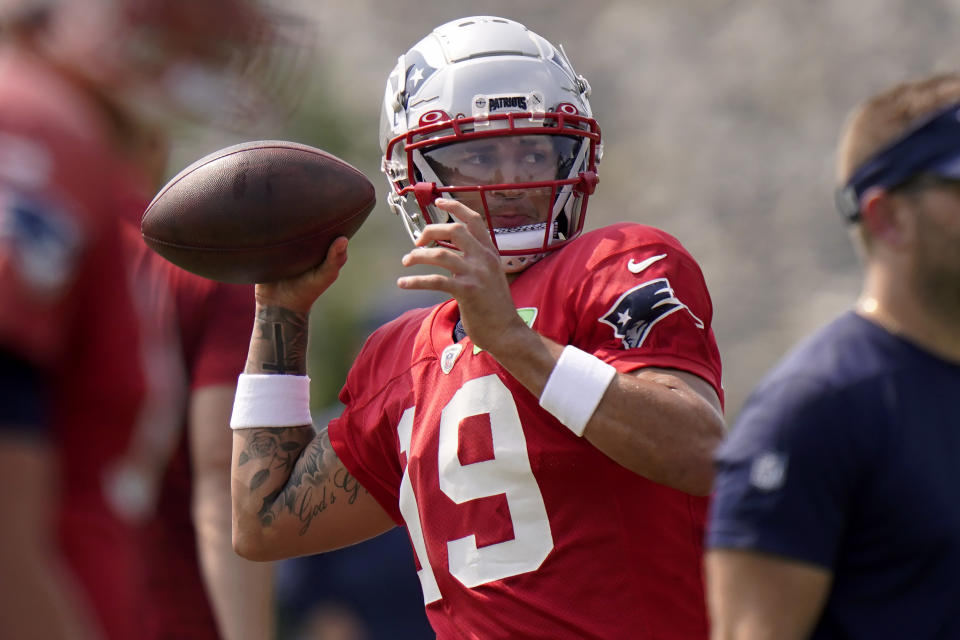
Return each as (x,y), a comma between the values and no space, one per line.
(477,159)
(534,158)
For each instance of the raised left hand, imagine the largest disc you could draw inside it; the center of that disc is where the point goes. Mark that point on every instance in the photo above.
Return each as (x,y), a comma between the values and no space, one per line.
(476,278)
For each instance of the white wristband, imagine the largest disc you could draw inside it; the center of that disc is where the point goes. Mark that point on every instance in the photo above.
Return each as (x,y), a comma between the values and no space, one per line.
(575,387)
(271,400)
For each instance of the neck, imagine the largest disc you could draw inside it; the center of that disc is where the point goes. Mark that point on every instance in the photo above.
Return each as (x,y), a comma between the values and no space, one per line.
(892,304)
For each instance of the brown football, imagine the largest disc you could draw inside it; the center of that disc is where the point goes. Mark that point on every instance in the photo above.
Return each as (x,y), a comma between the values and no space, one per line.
(257,211)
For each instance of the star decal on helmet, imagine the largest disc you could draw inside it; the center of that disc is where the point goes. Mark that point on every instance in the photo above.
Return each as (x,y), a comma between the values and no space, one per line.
(416,72)
(635,313)
(416,77)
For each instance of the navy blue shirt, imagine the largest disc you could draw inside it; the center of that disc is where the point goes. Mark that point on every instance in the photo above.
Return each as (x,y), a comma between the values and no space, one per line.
(847,456)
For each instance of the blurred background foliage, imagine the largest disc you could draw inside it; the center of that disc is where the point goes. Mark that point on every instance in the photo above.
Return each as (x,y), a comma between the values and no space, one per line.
(719,119)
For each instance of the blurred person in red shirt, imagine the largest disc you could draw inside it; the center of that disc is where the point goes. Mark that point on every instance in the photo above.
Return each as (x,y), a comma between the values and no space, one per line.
(105,350)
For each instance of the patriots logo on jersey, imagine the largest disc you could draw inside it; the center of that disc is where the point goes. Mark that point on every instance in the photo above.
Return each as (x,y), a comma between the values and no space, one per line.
(42,239)
(635,313)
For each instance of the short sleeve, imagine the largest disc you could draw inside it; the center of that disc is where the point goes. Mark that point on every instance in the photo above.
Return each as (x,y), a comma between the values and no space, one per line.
(378,399)
(221,345)
(366,444)
(646,304)
(787,473)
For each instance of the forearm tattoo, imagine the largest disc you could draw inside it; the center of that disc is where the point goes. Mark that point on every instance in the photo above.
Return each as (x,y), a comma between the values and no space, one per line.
(316,479)
(279,342)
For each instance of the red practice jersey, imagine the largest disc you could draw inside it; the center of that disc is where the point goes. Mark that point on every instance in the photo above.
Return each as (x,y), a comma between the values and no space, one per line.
(520,528)
(66,308)
(205,327)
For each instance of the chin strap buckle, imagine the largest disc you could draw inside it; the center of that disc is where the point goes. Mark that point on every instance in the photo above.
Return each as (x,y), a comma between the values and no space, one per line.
(588,182)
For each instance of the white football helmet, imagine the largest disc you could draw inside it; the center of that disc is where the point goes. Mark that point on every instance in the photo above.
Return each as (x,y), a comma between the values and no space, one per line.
(486,111)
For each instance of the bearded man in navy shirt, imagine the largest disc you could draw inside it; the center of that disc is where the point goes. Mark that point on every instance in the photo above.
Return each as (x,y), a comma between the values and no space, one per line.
(836,512)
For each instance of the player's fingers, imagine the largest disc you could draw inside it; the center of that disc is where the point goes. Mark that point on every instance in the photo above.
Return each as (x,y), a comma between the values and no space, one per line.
(459,211)
(474,221)
(336,254)
(456,234)
(299,293)
(439,232)
(442,257)
(330,267)
(432,282)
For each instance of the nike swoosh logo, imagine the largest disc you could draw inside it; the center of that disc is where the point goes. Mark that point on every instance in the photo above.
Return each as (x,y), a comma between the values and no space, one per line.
(637,267)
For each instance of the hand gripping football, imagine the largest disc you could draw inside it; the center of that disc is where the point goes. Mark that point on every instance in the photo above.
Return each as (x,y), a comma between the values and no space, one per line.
(257,211)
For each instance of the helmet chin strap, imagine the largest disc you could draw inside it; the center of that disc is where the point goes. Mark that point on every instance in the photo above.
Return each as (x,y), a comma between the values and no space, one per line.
(516,264)
(512,238)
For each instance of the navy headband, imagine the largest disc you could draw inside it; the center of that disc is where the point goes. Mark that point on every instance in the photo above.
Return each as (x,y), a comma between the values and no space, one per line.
(930,146)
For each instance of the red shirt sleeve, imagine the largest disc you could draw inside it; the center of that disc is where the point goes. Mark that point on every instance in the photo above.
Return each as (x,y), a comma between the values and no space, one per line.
(216,319)
(636,299)
(660,316)
(378,391)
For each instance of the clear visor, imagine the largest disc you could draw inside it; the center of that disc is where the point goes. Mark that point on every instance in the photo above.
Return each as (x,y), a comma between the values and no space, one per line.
(504,159)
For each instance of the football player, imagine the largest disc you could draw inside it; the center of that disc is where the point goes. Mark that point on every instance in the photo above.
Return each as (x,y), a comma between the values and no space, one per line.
(545,436)
(96,334)
(836,514)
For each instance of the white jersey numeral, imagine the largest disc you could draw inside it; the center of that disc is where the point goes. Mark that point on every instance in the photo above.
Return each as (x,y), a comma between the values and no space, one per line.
(411,514)
(508,472)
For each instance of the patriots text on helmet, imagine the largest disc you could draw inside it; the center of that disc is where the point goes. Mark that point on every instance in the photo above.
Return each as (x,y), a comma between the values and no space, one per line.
(510,102)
